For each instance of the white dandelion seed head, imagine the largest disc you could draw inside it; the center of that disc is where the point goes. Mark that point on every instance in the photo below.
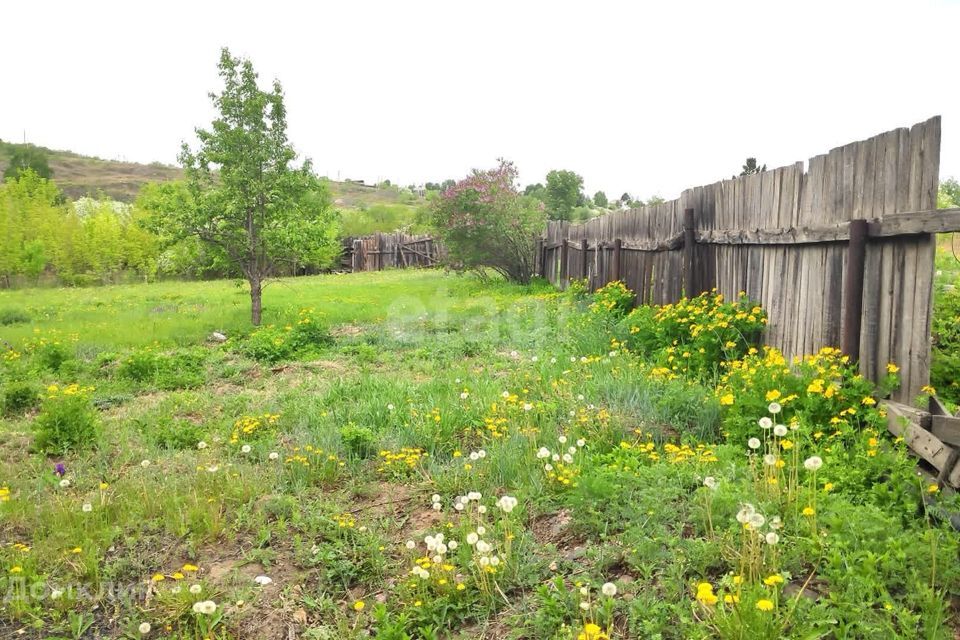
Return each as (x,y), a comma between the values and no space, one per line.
(774,408)
(581,443)
(710,482)
(562,439)
(64,483)
(464,395)
(765,422)
(772,538)
(753,443)
(567,458)
(813,463)
(144,463)
(452,545)
(769,459)
(548,467)
(144,628)
(780,431)
(481,509)
(609,589)
(543,452)
(411,545)
(201,445)
(757,520)
(245,449)
(274,455)
(87,507)
(481,530)
(195,589)
(472,538)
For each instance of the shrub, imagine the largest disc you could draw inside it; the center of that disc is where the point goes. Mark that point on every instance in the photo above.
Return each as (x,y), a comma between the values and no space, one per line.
(172,433)
(358,441)
(486,223)
(179,369)
(613,298)
(273,343)
(67,421)
(823,392)
(694,336)
(19,397)
(52,355)
(945,365)
(13,316)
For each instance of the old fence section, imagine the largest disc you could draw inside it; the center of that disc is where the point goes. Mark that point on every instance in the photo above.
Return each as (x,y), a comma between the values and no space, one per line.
(841,254)
(390,251)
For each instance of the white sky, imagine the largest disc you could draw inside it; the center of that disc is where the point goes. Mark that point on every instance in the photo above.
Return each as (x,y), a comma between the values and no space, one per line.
(634,96)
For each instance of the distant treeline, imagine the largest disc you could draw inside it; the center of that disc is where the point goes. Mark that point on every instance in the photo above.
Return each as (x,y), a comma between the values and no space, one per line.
(46,237)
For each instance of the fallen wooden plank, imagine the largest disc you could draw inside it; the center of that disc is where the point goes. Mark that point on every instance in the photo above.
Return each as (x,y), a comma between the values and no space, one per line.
(904,421)
(947,429)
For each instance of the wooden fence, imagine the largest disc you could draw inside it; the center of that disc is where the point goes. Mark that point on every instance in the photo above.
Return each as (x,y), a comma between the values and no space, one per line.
(841,254)
(390,251)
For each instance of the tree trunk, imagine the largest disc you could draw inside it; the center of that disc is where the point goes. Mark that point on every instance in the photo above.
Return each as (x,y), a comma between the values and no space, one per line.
(256,297)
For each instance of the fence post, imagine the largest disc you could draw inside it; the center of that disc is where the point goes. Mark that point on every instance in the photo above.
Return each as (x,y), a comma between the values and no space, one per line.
(583,259)
(538,262)
(853,289)
(689,253)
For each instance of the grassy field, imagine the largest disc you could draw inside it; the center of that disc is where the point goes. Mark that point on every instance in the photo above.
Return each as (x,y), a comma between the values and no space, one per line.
(422,455)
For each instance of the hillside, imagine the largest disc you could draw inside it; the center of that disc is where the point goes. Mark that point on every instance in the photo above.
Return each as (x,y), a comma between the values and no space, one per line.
(78,175)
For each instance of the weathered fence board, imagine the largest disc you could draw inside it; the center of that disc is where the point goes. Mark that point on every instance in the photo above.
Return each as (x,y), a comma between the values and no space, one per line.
(783,237)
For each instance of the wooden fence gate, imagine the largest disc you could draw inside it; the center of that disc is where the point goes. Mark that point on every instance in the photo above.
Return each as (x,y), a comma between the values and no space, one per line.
(841,254)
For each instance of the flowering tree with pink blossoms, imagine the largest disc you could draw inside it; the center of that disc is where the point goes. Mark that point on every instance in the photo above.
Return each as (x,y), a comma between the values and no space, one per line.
(486,223)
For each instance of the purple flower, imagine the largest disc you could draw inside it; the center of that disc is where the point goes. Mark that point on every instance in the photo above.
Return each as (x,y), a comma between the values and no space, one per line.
(60,469)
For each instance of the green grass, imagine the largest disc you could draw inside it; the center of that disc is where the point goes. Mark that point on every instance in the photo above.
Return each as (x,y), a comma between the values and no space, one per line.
(184,313)
(415,383)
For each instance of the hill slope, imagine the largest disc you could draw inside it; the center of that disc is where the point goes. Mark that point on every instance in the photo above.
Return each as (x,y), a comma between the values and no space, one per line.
(78,175)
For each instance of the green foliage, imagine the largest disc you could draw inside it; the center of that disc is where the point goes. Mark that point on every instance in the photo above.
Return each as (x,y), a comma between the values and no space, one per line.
(945,364)
(10,316)
(302,338)
(751,167)
(694,336)
(19,397)
(600,199)
(614,299)
(486,223)
(244,198)
(823,392)
(948,195)
(27,157)
(171,433)
(178,369)
(83,242)
(67,421)
(379,217)
(359,441)
(563,192)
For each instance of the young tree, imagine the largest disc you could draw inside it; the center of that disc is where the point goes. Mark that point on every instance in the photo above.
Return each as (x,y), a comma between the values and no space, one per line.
(750,167)
(486,223)
(563,192)
(27,156)
(245,199)
(600,199)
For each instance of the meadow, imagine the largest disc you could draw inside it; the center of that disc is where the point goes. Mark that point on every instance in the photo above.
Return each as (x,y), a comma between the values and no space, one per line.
(423,455)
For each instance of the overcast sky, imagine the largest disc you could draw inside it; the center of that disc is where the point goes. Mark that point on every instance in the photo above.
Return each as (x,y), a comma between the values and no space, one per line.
(649,98)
